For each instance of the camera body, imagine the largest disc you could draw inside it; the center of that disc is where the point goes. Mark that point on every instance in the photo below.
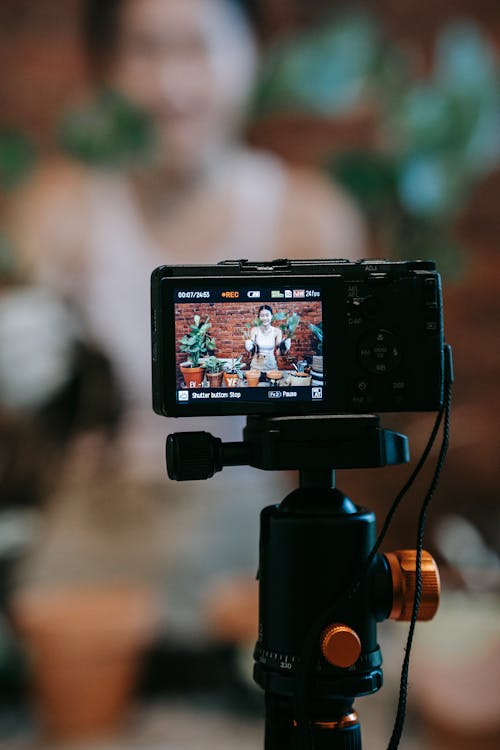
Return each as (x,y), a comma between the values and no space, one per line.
(341,338)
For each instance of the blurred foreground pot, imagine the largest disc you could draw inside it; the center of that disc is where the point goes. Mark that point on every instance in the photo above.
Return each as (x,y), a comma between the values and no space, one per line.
(455,674)
(85,647)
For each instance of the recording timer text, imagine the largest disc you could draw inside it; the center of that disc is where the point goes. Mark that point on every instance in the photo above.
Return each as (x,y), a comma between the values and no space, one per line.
(193,295)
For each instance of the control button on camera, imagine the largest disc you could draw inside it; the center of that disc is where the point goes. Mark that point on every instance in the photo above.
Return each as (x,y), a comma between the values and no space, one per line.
(398,393)
(354,320)
(432,325)
(370,308)
(362,401)
(362,386)
(398,386)
(362,397)
(430,293)
(379,352)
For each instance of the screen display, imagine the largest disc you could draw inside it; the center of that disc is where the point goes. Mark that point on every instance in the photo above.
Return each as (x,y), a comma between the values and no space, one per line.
(249,344)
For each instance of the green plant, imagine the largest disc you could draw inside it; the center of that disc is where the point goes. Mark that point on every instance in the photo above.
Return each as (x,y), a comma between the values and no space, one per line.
(436,135)
(17,158)
(198,341)
(247,329)
(213,364)
(318,333)
(288,322)
(234,366)
(108,131)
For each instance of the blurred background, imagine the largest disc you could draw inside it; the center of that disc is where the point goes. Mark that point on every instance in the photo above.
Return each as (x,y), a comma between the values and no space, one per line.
(143,132)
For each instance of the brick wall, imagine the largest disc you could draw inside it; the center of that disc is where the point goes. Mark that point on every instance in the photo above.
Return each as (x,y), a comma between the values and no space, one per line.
(43,67)
(229,327)
(42,64)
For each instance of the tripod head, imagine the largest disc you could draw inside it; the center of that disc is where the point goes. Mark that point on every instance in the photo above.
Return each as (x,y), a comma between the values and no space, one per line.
(321,592)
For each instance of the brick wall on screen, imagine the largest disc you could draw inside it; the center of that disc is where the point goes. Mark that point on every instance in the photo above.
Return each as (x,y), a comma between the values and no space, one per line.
(229,327)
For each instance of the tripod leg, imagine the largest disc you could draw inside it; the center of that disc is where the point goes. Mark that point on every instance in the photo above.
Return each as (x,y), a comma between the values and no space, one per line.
(342,733)
(279,723)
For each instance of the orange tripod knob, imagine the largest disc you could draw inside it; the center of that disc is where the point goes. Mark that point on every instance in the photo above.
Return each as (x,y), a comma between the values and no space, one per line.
(340,645)
(403,565)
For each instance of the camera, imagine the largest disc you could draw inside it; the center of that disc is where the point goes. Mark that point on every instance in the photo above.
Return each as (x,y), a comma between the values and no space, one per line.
(297,337)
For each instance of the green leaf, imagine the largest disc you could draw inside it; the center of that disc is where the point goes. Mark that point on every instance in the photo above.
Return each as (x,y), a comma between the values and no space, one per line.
(371,178)
(17,158)
(109,131)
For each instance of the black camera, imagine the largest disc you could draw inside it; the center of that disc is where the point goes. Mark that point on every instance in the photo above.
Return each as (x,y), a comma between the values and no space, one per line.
(297,338)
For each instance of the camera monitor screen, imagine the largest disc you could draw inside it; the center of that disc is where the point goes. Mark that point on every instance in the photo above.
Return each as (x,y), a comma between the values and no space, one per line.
(291,338)
(254,345)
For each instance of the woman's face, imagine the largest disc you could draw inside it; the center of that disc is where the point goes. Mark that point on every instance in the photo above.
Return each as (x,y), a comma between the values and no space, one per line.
(170,61)
(265,316)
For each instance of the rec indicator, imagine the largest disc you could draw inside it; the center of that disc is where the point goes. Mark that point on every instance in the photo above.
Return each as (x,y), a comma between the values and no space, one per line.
(230,295)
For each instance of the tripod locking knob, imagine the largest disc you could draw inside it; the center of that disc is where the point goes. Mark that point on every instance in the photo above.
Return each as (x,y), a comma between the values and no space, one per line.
(340,645)
(403,566)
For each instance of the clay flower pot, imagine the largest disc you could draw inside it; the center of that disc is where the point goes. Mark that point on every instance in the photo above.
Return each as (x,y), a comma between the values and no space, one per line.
(231,379)
(274,376)
(252,378)
(214,379)
(85,647)
(300,378)
(193,376)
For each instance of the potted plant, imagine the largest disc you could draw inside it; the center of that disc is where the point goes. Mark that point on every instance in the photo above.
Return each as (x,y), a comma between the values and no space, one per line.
(233,371)
(300,378)
(196,344)
(317,360)
(213,371)
(252,377)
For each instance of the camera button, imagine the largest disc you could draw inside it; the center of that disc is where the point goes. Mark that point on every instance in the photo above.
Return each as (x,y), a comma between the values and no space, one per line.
(379,352)
(432,325)
(398,386)
(430,293)
(362,386)
(361,401)
(370,308)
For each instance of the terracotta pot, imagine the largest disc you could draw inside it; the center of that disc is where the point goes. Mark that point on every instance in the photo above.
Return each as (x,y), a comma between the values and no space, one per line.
(214,379)
(231,379)
(252,378)
(193,376)
(300,378)
(85,647)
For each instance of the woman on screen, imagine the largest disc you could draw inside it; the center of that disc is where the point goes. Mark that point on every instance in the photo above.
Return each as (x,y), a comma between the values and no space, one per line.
(264,341)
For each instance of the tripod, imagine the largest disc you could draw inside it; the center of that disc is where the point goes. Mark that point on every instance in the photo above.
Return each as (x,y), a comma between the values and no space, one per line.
(321,594)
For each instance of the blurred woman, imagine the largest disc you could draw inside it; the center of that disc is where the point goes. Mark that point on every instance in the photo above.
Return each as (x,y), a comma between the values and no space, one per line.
(95,235)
